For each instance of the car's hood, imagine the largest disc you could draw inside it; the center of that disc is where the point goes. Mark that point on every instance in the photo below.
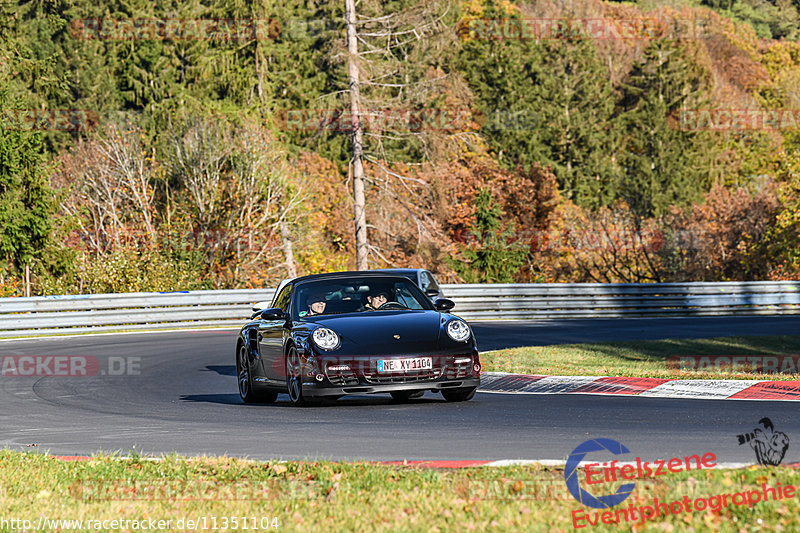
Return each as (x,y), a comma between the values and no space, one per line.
(385,331)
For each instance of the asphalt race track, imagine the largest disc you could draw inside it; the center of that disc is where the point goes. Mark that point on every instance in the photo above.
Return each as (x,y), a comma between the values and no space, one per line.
(504,334)
(176,392)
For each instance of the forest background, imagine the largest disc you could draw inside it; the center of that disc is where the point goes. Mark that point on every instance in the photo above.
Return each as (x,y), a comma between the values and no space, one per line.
(201,145)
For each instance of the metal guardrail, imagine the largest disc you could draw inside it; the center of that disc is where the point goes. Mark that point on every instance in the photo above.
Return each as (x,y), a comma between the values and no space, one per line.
(611,300)
(47,315)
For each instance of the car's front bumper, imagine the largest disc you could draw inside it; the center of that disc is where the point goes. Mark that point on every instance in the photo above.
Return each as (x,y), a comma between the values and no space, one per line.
(318,390)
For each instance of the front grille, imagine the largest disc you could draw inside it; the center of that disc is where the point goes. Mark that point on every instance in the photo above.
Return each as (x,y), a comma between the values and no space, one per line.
(341,377)
(425,375)
(343,380)
(459,370)
(355,372)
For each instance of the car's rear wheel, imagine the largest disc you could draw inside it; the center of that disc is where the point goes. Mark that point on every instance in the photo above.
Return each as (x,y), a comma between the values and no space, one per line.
(294,378)
(245,380)
(462,394)
(404,396)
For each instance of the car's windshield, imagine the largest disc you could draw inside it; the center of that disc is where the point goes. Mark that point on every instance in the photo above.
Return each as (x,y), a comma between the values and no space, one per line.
(357,295)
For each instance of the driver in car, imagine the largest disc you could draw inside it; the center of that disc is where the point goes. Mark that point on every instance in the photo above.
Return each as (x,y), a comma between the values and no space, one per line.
(316,303)
(376,299)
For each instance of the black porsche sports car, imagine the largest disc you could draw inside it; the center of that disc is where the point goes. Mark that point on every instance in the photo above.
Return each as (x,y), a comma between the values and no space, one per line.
(328,335)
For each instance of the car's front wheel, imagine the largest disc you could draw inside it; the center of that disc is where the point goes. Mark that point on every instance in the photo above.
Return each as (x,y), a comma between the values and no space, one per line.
(294,378)
(462,394)
(245,380)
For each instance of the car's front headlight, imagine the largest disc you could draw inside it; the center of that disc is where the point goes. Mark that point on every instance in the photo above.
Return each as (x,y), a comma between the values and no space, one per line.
(458,330)
(325,338)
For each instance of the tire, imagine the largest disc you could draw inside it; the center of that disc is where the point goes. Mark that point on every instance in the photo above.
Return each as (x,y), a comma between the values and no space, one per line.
(245,380)
(459,395)
(294,379)
(404,396)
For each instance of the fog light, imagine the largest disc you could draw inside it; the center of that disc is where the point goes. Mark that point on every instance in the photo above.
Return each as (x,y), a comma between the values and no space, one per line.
(320,377)
(461,360)
(477,367)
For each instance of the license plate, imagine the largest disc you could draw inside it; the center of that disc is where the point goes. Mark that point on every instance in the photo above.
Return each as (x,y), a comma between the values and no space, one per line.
(403,365)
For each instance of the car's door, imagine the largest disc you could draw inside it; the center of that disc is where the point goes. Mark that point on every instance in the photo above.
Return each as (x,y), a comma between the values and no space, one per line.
(270,339)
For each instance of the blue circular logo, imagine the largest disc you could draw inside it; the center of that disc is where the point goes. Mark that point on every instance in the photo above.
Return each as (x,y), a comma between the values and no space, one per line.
(571,474)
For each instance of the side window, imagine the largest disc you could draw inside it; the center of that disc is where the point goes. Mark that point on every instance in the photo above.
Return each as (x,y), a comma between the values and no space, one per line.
(431,284)
(425,280)
(405,297)
(283,298)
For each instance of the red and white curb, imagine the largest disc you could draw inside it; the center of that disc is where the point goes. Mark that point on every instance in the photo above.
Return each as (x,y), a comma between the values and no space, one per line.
(704,389)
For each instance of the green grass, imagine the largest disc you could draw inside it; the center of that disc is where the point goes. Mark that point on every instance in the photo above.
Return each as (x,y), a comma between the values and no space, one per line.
(325,496)
(642,358)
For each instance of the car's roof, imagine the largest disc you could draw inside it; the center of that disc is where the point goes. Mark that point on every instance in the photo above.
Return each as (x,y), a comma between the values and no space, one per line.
(350,274)
(401,271)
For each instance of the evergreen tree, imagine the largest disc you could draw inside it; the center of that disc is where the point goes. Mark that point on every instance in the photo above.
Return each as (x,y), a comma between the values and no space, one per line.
(662,165)
(549,102)
(503,73)
(492,257)
(26,201)
(579,135)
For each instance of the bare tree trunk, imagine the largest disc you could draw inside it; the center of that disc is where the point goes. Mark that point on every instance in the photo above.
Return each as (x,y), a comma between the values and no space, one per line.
(288,254)
(355,117)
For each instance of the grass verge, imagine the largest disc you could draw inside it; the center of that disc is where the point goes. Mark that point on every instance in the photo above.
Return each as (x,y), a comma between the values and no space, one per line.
(651,358)
(356,496)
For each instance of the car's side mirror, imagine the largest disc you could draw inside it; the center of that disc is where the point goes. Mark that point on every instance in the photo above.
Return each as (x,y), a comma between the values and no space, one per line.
(274,313)
(261,305)
(443,304)
(258,307)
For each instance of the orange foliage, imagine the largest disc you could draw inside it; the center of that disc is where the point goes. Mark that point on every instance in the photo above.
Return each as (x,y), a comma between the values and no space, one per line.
(323,228)
(722,238)
(609,246)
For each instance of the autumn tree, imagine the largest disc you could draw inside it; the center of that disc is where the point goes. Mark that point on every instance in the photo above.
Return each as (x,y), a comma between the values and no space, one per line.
(722,238)
(603,245)
(783,239)
(492,253)
(475,196)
